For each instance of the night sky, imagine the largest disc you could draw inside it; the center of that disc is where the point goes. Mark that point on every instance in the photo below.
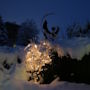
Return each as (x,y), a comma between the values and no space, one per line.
(65,11)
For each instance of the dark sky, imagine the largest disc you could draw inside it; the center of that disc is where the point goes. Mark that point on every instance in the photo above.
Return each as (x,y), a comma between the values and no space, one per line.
(66,11)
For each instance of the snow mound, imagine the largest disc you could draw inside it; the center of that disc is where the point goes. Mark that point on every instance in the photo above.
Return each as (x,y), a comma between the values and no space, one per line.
(76,47)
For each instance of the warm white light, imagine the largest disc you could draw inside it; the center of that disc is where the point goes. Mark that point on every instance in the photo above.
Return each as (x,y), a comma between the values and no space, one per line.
(37,56)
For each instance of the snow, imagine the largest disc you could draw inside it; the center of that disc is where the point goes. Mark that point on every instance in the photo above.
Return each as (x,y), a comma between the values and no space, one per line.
(76,47)
(22,85)
(16,78)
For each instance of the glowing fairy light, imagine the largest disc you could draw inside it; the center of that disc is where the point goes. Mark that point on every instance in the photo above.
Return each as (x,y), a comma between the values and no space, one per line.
(35,58)
(35,46)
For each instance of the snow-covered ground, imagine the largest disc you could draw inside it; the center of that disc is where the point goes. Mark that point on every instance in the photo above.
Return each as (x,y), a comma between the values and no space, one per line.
(22,85)
(15,78)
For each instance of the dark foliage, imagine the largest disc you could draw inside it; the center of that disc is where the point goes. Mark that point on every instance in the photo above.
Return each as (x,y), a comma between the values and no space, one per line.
(45,27)
(3,33)
(12,33)
(19,61)
(76,30)
(1,23)
(50,35)
(12,29)
(68,69)
(27,33)
(6,65)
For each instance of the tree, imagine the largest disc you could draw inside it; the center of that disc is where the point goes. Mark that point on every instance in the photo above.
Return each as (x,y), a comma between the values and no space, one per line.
(74,30)
(88,26)
(27,33)
(3,33)
(50,35)
(12,29)
(1,22)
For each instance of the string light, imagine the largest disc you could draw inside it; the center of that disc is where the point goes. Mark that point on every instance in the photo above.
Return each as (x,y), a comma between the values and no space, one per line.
(37,56)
